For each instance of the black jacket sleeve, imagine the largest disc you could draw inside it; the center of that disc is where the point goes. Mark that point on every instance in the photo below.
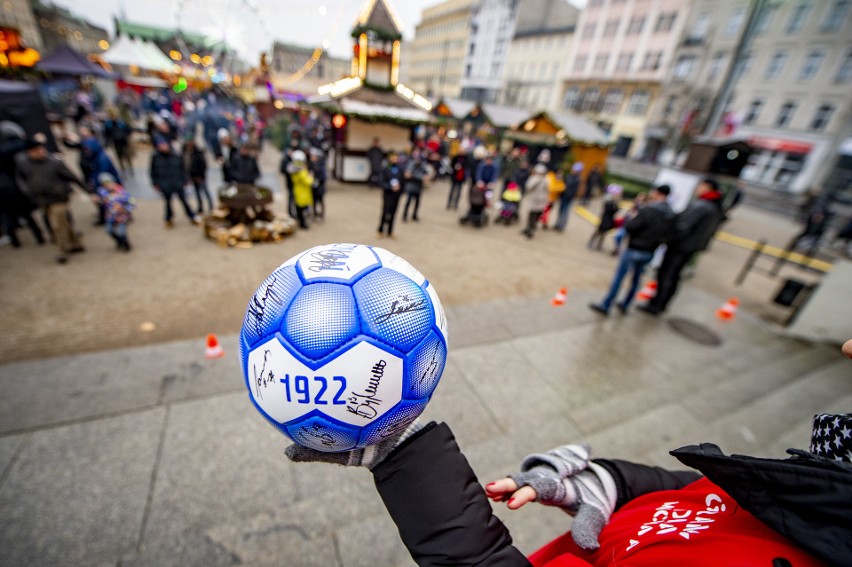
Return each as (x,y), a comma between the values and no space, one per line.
(441,511)
(633,480)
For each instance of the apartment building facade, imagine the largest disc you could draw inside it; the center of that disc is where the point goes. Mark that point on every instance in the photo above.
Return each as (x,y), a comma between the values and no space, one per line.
(434,59)
(492,27)
(792,97)
(618,64)
(542,41)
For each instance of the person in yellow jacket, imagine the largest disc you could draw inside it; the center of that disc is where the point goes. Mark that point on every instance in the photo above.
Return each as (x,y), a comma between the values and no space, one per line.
(555,187)
(303,183)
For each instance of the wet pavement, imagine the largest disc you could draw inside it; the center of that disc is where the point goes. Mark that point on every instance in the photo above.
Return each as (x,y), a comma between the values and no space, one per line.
(130,448)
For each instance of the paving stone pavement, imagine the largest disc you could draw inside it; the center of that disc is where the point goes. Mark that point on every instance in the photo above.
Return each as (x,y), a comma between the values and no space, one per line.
(154,456)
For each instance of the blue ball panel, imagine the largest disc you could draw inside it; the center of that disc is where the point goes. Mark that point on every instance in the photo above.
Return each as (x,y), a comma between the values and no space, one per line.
(321,318)
(424,366)
(269,303)
(323,435)
(394,309)
(393,423)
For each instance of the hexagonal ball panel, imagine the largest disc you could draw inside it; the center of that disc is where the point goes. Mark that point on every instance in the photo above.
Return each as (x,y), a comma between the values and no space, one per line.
(323,435)
(425,366)
(397,264)
(268,304)
(394,309)
(394,422)
(268,364)
(342,263)
(321,317)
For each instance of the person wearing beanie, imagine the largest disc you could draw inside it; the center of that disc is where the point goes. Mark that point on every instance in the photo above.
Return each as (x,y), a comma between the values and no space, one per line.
(303,183)
(729,510)
(118,206)
(535,199)
(47,181)
(646,231)
(694,229)
(168,177)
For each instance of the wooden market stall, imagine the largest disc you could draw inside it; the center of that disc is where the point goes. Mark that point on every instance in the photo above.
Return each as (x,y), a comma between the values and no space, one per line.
(371,103)
(564,134)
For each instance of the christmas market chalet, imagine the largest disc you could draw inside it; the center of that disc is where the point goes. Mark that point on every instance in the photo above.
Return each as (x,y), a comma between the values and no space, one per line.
(371,102)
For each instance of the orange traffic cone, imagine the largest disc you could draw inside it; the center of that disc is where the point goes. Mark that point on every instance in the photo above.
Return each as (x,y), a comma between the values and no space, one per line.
(214,349)
(648,292)
(728,310)
(559,298)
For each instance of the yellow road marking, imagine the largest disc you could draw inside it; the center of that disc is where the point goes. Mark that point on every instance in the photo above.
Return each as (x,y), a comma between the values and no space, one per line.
(734,240)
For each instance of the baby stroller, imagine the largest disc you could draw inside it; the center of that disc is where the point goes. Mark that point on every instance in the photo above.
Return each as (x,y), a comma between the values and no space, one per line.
(478,198)
(510,201)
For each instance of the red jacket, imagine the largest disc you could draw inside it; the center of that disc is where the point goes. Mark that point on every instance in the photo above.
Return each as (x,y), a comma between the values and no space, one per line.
(698,525)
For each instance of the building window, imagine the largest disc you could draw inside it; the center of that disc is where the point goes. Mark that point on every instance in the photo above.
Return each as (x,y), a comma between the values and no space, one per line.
(467,70)
(624,62)
(776,65)
(601,61)
(589,31)
(786,114)
(822,116)
(699,28)
(764,20)
(580,62)
(652,61)
(670,105)
(611,28)
(836,16)
(639,101)
(572,98)
(612,101)
(684,67)
(799,16)
(665,22)
(844,74)
(753,111)
(735,22)
(472,49)
(743,65)
(591,100)
(716,66)
(812,64)
(636,25)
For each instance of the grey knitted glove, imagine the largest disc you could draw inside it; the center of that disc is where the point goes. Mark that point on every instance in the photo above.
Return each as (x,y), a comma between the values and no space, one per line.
(369,457)
(564,477)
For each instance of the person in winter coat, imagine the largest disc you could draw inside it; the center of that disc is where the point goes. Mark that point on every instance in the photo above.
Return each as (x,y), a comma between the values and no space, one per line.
(375,155)
(286,158)
(195,163)
(593,183)
(745,511)
(223,152)
(117,132)
(607,222)
(168,178)
(303,183)
(93,161)
(244,167)
(572,185)
(415,172)
(536,196)
(460,174)
(46,180)
(694,229)
(14,204)
(646,231)
(391,181)
(318,170)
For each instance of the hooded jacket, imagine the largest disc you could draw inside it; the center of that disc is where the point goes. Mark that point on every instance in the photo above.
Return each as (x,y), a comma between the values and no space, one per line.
(97,162)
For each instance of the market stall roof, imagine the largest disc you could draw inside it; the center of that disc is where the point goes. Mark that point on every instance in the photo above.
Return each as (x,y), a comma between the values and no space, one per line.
(152,82)
(156,33)
(500,116)
(350,97)
(127,51)
(452,108)
(66,61)
(154,59)
(558,128)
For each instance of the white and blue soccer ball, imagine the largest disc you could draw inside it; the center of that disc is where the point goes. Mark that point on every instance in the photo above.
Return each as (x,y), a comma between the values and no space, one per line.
(342,346)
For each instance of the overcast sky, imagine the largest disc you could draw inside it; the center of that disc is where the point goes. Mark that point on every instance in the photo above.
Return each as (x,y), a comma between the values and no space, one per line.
(303,22)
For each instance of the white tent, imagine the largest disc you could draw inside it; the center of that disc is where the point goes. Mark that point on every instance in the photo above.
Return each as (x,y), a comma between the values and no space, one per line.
(123,52)
(153,58)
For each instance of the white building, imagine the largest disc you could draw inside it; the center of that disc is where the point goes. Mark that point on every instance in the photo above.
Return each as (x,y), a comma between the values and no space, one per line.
(540,46)
(492,27)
